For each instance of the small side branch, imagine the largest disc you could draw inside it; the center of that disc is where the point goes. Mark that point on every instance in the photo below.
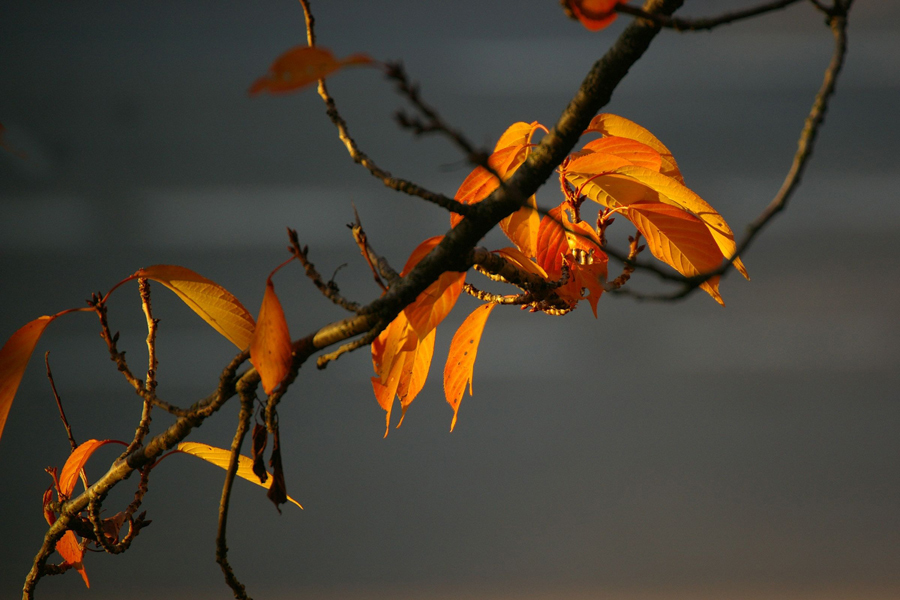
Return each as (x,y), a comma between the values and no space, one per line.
(679,24)
(62,413)
(330,289)
(149,386)
(379,266)
(360,342)
(629,266)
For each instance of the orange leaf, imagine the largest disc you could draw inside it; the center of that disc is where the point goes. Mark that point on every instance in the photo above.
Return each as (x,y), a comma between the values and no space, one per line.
(14,358)
(461,359)
(518,258)
(594,14)
(215,305)
(416,364)
(680,240)
(75,463)
(636,153)
(301,66)
(270,346)
(388,358)
(635,184)
(614,125)
(72,554)
(221,458)
(438,299)
(552,243)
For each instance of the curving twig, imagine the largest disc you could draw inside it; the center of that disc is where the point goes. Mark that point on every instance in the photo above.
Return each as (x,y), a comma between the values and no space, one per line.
(679,24)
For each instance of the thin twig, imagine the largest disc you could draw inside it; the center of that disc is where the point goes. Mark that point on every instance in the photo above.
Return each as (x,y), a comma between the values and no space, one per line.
(679,24)
(360,342)
(330,289)
(149,385)
(358,156)
(838,25)
(379,266)
(629,266)
(221,547)
(62,413)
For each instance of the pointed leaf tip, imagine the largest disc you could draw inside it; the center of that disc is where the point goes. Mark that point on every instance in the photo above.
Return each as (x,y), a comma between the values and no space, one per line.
(14,358)
(461,358)
(270,345)
(221,457)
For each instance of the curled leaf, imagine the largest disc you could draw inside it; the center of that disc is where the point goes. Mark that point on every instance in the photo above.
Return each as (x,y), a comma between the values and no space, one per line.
(215,305)
(75,463)
(221,457)
(260,438)
(301,66)
(461,359)
(270,345)
(72,554)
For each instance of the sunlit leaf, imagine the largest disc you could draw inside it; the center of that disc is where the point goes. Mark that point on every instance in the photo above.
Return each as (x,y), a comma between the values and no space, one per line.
(270,345)
(614,125)
(215,305)
(518,258)
(221,458)
(636,153)
(14,358)
(594,14)
(438,299)
(416,364)
(680,240)
(72,554)
(552,243)
(302,66)
(75,463)
(461,359)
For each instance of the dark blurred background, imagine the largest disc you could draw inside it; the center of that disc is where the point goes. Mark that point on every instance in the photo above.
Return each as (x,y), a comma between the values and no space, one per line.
(660,451)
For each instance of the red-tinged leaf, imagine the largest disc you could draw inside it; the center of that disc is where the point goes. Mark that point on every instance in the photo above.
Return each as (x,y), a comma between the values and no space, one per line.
(636,153)
(72,554)
(552,244)
(416,364)
(300,67)
(614,125)
(595,163)
(221,457)
(215,305)
(680,240)
(594,14)
(49,515)
(438,299)
(75,463)
(518,258)
(270,345)
(461,359)
(14,358)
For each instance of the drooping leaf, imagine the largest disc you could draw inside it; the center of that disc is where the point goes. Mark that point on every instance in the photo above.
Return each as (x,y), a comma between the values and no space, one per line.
(259,440)
(614,125)
(631,184)
(390,352)
(221,457)
(72,554)
(270,345)
(594,14)
(75,463)
(215,305)
(14,358)
(522,226)
(302,66)
(277,489)
(680,240)
(552,243)
(461,359)
(438,299)
(518,134)
(416,364)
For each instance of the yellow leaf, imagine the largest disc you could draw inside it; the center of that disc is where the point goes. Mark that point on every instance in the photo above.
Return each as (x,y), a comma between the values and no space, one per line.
(270,346)
(461,358)
(518,258)
(215,305)
(221,458)
(614,125)
(416,364)
(14,358)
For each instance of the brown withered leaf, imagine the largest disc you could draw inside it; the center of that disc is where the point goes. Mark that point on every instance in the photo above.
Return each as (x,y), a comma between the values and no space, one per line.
(260,439)
(278,491)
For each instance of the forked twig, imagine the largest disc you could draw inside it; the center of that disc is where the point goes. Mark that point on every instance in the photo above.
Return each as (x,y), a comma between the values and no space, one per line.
(679,24)
(330,289)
